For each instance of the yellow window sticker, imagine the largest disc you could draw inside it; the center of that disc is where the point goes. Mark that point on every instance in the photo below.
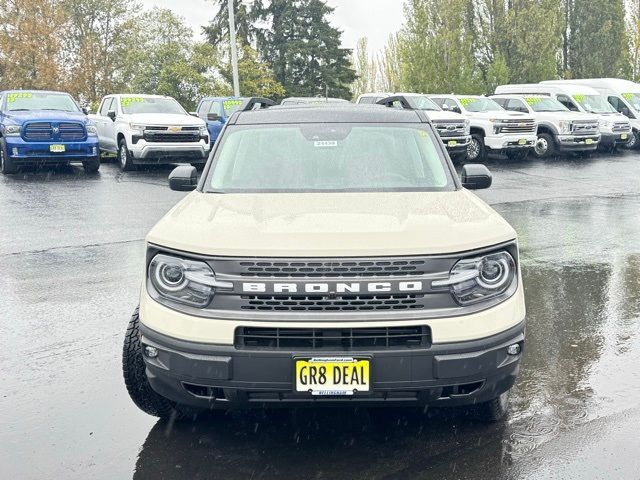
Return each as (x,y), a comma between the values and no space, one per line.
(578,98)
(231,103)
(12,97)
(628,96)
(467,101)
(126,101)
(533,100)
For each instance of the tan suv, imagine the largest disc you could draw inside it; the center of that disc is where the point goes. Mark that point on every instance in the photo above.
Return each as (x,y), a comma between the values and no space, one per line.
(327,255)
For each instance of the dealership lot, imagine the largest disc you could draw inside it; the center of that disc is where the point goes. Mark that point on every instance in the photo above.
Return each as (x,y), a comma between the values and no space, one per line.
(72,251)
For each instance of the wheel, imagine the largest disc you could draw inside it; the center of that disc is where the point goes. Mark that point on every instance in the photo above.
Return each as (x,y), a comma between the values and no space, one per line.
(491,411)
(92,165)
(634,141)
(519,154)
(476,151)
(135,377)
(545,146)
(126,162)
(6,164)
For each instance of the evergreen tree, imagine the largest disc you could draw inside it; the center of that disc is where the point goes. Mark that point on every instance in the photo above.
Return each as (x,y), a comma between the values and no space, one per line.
(217,31)
(305,50)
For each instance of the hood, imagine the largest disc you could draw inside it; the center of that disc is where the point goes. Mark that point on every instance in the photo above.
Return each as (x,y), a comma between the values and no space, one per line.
(167,119)
(46,115)
(569,116)
(442,115)
(501,115)
(330,224)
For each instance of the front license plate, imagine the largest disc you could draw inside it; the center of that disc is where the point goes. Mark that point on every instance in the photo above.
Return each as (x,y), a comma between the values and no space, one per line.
(332,376)
(56,148)
(623,136)
(452,143)
(522,141)
(589,141)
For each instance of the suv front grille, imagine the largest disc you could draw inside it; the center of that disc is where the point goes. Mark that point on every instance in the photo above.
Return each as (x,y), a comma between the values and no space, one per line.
(153,137)
(621,127)
(374,338)
(47,131)
(38,131)
(517,126)
(341,303)
(338,269)
(584,128)
(449,129)
(71,131)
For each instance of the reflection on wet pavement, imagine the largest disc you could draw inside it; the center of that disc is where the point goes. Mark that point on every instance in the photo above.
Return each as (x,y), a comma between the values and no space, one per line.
(65,413)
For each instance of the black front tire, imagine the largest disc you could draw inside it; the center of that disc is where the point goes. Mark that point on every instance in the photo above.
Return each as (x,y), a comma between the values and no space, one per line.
(6,165)
(634,141)
(492,411)
(92,165)
(135,376)
(476,151)
(124,156)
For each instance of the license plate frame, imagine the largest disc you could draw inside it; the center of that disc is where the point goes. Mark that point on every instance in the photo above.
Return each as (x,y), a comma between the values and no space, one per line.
(57,148)
(452,143)
(332,390)
(522,141)
(624,136)
(588,141)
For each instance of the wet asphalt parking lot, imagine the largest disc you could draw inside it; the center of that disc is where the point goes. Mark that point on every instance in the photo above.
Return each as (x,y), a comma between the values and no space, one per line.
(71,255)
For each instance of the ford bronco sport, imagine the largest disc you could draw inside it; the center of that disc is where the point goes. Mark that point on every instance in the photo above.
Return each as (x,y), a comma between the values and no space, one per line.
(327,255)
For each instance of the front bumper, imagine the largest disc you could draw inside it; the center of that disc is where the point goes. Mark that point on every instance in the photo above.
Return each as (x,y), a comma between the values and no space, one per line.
(510,141)
(153,152)
(572,143)
(456,144)
(22,152)
(221,376)
(614,139)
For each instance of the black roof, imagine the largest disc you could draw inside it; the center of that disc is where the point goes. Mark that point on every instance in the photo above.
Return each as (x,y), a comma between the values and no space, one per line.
(327,113)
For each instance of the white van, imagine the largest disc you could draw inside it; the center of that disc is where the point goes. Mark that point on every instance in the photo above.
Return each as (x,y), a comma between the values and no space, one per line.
(559,129)
(615,128)
(623,95)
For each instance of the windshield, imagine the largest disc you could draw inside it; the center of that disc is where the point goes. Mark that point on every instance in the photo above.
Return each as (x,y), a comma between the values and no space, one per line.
(329,157)
(150,105)
(545,104)
(633,99)
(425,103)
(594,103)
(479,104)
(17,101)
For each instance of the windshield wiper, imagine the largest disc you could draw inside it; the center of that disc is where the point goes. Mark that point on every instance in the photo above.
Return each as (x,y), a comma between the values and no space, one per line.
(19,109)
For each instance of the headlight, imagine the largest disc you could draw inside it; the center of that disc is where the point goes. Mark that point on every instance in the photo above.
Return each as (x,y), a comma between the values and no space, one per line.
(467,127)
(92,130)
(185,281)
(137,129)
(12,130)
(477,279)
(204,130)
(565,127)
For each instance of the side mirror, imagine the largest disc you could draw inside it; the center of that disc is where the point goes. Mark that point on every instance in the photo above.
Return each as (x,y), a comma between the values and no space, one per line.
(193,114)
(213,117)
(456,109)
(85,110)
(476,176)
(112,115)
(183,178)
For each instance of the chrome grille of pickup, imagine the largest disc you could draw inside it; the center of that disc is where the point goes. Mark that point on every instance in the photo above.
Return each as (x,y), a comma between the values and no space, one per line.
(345,303)
(584,128)
(338,269)
(621,127)
(375,338)
(71,131)
(154,137)
(38,131)
(449,128)
(517,126)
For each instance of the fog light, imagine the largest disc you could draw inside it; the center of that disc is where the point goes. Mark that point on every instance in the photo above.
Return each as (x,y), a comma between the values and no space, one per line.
(511,349)
(152,352)
(14,151)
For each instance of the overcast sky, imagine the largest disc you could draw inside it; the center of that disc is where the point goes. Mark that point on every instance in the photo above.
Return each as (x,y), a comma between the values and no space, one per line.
(374,19)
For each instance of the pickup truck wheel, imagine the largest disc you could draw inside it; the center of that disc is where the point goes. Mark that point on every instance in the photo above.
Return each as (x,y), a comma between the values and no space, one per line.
(91,166)
(135,377)
(491,411)
(545,146)
(634,141)
(6,165)
(126,162)
(476,151)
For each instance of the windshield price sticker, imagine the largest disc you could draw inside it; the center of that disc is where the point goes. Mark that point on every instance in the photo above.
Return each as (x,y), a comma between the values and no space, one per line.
(325,143)
(126,101)
(533,100)
(628,96)
(231,103)
(467,101)
(12,97)
(578,98)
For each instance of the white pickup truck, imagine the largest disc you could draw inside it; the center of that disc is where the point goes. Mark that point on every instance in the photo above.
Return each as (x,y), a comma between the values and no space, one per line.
(493,129)
(150,129)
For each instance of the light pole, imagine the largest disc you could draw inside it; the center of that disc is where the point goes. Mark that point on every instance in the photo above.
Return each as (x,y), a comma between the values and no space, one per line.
(234,48)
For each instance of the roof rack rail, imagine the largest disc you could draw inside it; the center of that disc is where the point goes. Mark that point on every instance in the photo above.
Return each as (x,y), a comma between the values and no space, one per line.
(407,103)
(255,103)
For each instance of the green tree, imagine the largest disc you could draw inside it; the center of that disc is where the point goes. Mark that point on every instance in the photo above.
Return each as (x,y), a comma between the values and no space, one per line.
(256,77)
(305,49)
(217,31)
(598,44)
(389,67)
(364,69)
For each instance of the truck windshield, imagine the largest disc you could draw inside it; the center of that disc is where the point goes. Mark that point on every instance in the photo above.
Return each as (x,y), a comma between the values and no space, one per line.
(17,101)
(633,99)
(134,105)
(479,104)
(425,103)
(329,158)
(545,104)
(594,103)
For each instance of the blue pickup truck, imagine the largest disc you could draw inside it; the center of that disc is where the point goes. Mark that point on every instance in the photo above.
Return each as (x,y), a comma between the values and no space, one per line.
(216,111)
(38,127)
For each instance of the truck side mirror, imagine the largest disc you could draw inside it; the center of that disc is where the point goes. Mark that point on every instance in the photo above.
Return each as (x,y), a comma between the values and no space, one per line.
(183,178)
(193,114)
(112,115)
(213,117)
(476,176)
(85,110)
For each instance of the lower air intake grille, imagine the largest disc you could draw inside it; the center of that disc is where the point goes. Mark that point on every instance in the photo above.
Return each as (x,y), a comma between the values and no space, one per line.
(344,303)
(375,338)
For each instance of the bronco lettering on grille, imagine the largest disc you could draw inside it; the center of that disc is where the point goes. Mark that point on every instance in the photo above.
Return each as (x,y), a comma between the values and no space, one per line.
(332,287)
